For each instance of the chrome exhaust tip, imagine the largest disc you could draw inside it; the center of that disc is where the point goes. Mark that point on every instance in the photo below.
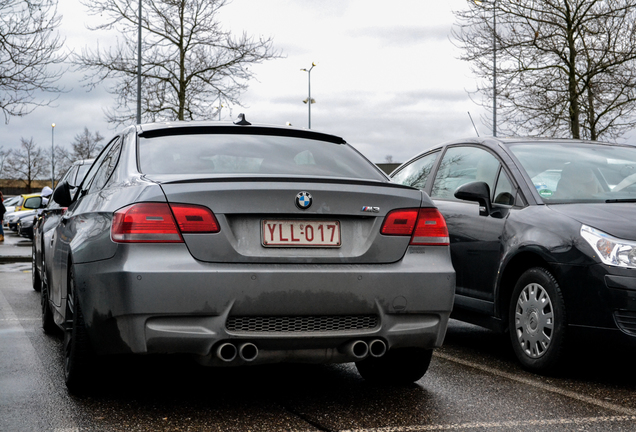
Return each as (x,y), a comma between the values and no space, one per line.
(377,348)
(226,352)
(358,349)
(248,352)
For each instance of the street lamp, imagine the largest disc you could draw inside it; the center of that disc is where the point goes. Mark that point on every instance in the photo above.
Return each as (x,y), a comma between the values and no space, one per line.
(309,100)
(494,61)
(52,155)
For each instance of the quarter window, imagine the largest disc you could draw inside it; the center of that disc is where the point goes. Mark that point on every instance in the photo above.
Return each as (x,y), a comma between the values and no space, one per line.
(504,192)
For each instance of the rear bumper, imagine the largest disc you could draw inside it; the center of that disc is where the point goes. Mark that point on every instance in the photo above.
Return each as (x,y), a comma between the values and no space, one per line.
(139,303)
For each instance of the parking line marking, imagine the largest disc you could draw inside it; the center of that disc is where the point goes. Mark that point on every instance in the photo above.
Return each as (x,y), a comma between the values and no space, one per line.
(540,385)
(500,424)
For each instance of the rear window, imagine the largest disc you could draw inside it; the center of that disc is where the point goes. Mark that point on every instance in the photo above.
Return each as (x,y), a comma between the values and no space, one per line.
(240,154)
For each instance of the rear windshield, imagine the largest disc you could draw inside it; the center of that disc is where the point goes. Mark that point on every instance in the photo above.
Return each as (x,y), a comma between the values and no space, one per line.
(239,154)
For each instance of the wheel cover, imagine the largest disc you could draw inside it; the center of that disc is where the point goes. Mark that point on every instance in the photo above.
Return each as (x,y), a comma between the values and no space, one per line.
(534,320)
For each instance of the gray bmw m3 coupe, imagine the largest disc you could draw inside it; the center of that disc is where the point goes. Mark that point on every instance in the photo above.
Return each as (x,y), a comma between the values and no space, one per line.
(242,244)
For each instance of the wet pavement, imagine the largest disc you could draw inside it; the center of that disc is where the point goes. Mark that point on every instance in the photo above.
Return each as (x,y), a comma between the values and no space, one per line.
(14,248)
(473,384)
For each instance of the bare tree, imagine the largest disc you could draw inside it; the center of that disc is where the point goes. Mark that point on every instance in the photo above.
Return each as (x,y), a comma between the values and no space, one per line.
(189,61)
(563,67)
(63,161)
(29,47)
(4,154)
(86,145)
(27,163)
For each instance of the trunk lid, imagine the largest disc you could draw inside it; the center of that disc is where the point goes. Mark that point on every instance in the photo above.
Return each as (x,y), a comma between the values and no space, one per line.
(241,206)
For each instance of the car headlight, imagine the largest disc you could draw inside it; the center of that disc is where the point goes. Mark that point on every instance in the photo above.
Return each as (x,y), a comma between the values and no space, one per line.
(611,250)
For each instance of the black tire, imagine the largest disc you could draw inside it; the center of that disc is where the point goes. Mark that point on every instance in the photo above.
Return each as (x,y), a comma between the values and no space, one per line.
(78,354)
(36,281)
(537,321)
(48,324)
(396,367)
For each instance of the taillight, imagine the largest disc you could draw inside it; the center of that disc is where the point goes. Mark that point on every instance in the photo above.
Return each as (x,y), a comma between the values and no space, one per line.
(426,226)
(431,229)
(399,222)
(155,223)
(145,223)
(194,219)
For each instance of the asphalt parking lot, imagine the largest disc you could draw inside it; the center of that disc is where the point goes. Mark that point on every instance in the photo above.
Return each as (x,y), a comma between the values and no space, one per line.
(473,384)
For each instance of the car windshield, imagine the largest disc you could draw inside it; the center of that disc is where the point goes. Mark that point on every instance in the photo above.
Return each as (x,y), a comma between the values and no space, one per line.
(578,172)
(11,201)
(240,154)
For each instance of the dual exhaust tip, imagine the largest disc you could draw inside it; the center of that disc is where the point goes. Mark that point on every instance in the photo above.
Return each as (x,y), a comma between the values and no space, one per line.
(359,349)
(228,352)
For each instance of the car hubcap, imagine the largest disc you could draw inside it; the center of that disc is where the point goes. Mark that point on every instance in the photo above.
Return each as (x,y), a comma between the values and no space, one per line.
(534,320)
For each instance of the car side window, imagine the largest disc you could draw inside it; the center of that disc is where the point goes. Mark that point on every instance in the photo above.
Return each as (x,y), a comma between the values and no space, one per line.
(106,168)
(461,165)
(86,183)
(416,173)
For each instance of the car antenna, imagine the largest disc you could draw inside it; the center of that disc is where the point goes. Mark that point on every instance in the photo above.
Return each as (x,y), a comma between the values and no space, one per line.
(471,120)
(241,120)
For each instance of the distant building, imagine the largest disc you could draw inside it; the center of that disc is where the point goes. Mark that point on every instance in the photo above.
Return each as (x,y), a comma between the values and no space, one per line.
(16,187)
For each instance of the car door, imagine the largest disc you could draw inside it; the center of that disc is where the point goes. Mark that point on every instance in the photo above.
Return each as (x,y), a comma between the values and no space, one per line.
(476,248)
(48,220)
(62,236)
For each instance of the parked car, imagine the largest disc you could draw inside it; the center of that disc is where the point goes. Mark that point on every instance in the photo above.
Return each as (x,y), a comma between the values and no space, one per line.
(10,203)
(23,203)
(241,244)
(543,238)
(47,219)
(24,225)
(29,202)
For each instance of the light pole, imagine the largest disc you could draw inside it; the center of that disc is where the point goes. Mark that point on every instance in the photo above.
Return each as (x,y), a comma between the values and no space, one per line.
(52,155)
(309,100)
(494,62)
(139,68)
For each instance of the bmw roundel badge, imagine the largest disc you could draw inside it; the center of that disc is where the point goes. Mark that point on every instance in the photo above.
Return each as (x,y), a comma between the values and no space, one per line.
(303,200)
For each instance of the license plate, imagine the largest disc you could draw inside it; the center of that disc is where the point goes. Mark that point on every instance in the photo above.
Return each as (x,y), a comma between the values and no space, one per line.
(300,233)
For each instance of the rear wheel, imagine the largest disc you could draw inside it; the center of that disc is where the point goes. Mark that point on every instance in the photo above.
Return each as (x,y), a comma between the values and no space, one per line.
(78,355)
(35,276)
(397,367)
(537,321)
(48,324)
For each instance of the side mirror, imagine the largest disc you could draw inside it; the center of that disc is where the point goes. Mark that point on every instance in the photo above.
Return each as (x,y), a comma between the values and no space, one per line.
(62,194)
(476,191)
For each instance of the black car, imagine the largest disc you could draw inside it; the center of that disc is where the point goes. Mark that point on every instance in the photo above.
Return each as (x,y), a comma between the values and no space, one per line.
(543,238)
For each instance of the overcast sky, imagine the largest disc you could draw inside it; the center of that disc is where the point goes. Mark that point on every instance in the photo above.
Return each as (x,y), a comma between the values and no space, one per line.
(387,79)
